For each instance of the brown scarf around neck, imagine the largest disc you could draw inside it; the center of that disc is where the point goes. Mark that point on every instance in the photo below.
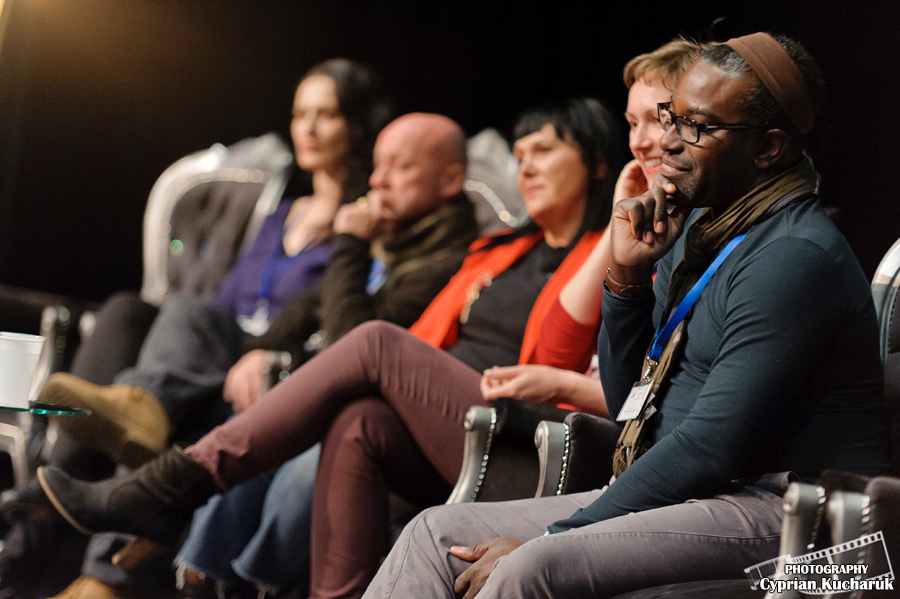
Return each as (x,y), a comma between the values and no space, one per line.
(444,233)
(707,235)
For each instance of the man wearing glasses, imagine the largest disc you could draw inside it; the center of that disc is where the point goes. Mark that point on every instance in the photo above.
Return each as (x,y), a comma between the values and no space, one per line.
(762,365)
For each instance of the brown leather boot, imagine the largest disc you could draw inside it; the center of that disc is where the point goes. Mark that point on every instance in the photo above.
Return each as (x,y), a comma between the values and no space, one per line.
(195,585)
(126,423)
(85,587)
(155,502)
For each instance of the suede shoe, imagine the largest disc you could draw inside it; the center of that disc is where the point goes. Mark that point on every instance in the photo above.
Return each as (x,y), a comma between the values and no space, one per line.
(126,423)
(155,502)
(85,587)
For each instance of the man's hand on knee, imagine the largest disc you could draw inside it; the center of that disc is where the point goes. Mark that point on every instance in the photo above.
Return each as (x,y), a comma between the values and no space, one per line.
(484,555)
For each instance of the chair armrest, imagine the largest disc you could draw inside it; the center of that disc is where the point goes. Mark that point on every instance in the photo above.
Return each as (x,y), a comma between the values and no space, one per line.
(847,515)
(592,441)
(479,423)
(276,368)
(59,334)
(23,310)
(48,314)
(803,506)
(864,530)
(575,455)
(513,468)
(884,497)
(883,516)
(499,458)
(24,438)
(518,419)
(552,442)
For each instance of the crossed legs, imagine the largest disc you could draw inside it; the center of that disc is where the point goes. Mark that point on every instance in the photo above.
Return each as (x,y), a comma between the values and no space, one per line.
(429,390)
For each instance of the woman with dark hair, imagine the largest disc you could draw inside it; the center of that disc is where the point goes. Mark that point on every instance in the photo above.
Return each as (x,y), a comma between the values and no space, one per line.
(389,405)
(193,342)
(338,109)
(365,110)
(650,78)
(582,124)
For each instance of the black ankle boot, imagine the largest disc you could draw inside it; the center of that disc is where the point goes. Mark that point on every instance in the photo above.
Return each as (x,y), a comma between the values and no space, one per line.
(25,550)
(155,502)
(22,505)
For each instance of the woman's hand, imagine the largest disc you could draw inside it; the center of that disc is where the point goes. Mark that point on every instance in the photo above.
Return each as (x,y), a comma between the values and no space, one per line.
(484,555)
(631,182)
(528,382)
(244,380)
(543,384)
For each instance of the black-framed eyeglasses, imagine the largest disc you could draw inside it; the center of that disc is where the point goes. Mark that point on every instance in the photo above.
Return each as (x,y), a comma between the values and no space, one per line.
(689,130)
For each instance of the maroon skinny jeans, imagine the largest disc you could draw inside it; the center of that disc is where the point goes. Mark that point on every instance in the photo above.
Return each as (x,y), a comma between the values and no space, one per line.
(389,408)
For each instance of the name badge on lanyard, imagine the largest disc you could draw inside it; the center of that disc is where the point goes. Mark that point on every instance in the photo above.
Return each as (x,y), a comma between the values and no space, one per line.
(638,397)
(257,323)
(639,401)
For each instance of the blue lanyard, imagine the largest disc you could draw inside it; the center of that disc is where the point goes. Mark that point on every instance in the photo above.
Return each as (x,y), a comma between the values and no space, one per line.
(663,333)
(275,264)
(377,276)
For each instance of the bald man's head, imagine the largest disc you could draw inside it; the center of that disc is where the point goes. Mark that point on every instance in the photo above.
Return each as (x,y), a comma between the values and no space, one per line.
(436,133)
(420,166)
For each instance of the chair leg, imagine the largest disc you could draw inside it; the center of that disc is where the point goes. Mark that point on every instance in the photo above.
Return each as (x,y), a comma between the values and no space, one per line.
(12,440)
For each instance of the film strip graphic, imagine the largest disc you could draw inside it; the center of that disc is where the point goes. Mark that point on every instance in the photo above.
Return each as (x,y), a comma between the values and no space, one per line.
(840,562)
(766,569)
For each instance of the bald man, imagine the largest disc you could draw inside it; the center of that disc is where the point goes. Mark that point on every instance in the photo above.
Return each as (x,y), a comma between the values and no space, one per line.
(417,213)
(395,249)
(420,166)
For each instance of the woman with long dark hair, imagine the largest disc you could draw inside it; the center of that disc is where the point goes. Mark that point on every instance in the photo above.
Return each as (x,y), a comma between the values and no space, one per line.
(337,110)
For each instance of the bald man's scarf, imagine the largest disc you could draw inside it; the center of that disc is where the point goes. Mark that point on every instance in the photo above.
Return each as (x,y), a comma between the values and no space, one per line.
(703,241)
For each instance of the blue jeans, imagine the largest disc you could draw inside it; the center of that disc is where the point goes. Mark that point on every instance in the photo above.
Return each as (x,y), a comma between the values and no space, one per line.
(259,530)
(186,354)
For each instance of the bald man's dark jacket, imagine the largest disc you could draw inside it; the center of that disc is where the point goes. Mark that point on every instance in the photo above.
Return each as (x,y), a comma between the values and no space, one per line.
(419,262)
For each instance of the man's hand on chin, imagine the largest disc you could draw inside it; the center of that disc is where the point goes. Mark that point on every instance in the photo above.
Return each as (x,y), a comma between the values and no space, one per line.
(484,555)
(643,229)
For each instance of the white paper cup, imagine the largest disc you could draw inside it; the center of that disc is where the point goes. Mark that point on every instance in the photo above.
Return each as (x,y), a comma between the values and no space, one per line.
(19,355)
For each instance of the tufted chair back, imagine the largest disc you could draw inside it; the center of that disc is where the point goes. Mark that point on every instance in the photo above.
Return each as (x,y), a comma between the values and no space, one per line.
(205,209)
(885,286)
(491,182)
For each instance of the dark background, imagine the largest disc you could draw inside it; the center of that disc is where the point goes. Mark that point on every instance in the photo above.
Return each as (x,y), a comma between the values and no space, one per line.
(98,97)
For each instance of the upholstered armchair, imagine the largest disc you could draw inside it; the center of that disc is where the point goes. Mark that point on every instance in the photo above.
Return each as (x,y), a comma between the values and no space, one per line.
(201,213)
(862,515)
